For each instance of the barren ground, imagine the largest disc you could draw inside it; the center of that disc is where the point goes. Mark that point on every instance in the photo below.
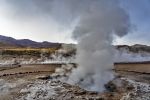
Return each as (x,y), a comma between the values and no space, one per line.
(32,83)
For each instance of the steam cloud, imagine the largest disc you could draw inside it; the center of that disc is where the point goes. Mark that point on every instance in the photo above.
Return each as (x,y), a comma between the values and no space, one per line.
(98,23)
(95,21)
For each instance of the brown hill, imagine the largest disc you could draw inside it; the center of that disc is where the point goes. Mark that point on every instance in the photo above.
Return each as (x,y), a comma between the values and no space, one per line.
(26,43)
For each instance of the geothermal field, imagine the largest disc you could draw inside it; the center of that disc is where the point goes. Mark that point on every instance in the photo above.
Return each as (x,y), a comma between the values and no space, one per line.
(50,76)
(74,50)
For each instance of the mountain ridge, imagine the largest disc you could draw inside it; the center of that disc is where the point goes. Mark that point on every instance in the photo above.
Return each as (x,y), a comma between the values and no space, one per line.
(26,42)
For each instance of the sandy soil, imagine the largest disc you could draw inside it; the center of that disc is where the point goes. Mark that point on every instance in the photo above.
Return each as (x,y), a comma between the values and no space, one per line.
(33,68)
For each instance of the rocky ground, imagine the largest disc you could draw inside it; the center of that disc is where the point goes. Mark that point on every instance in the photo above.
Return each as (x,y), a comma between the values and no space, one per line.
(52,86)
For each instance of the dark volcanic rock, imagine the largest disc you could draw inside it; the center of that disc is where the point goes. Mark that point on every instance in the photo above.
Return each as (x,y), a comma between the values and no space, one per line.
(110,86)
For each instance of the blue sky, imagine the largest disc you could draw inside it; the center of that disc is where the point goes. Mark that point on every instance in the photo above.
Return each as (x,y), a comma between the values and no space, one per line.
(139,11)
(31,19)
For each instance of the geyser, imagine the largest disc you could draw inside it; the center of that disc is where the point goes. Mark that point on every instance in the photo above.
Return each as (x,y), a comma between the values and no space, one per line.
(98,23)
(94,23)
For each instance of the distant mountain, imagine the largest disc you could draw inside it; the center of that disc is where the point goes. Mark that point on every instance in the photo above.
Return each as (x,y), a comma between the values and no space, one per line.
(5,45)
(26,43)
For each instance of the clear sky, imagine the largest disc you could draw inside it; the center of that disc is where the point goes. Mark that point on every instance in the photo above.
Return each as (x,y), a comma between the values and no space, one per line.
(51,20)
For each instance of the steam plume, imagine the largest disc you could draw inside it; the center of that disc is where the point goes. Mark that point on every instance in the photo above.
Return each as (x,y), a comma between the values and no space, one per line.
(98,23)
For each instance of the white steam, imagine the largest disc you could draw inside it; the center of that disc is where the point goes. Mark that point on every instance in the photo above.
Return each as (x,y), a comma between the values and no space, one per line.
(95,21)
(126,56)
(94,32)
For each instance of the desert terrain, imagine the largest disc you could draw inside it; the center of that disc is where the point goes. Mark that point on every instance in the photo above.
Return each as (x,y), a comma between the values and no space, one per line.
(32,79)
(42,74)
